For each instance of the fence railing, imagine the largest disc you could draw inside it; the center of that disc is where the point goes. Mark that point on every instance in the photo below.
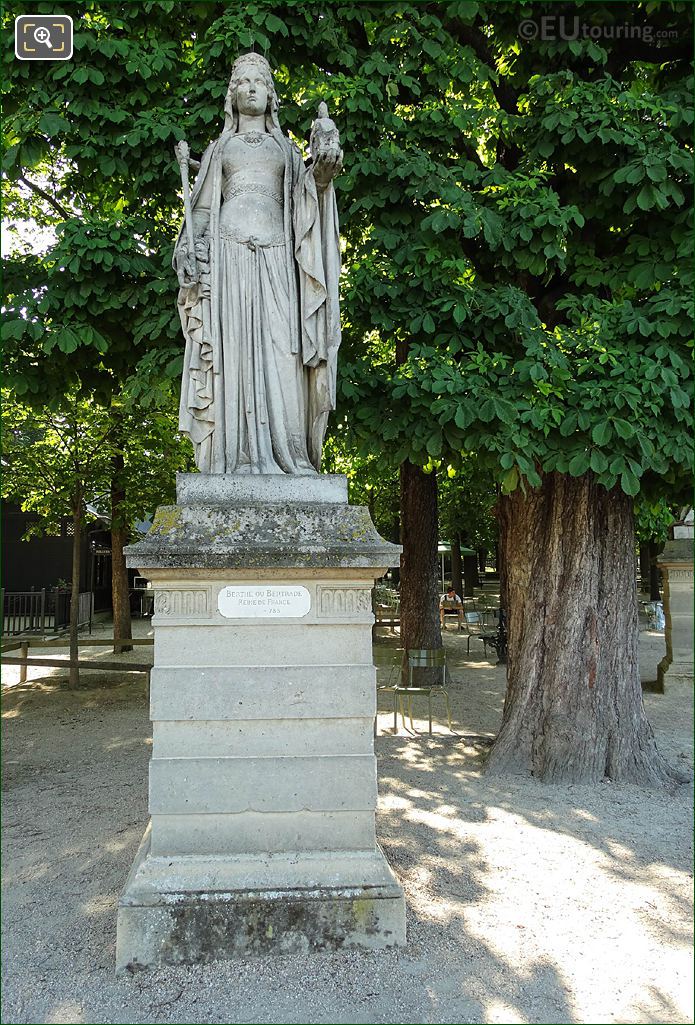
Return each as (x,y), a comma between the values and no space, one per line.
(41,612)
(24,661)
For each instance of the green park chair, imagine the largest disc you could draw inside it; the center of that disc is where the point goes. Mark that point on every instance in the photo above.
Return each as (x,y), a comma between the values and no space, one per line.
(473,622)
(421,659)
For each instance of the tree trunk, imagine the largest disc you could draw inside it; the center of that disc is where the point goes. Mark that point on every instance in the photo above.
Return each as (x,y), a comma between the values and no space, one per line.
(654,572)
(573,711)
(456,572)
(470,575)
(120,591)
(75,586)
(482,562)
(644,566)
(419,566)
(395,537)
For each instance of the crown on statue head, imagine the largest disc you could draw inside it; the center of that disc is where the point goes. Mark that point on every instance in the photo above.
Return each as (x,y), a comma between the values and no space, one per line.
(248,59)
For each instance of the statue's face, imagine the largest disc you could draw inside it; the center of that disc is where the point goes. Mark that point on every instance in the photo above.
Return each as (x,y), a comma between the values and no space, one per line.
(252,93)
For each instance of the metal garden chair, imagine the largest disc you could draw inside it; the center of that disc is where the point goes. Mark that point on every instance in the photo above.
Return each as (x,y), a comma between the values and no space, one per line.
(429,660)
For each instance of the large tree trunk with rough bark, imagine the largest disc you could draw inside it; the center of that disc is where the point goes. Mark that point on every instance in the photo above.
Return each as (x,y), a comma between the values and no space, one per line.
(573,710)
(120,591)
(419,566)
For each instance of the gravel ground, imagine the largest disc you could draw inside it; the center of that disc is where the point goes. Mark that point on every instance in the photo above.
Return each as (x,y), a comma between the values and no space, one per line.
(526,903)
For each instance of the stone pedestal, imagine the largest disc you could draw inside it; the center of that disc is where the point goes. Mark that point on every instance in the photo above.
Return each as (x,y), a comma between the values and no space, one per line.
(263,775)
(676,563)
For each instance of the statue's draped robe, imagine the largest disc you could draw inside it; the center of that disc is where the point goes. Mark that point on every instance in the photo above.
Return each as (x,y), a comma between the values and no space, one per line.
(262,329)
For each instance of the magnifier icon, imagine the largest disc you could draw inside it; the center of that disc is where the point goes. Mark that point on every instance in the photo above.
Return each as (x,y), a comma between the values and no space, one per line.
(42,35)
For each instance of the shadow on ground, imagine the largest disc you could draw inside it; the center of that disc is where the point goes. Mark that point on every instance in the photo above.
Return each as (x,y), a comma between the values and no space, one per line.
(522,899)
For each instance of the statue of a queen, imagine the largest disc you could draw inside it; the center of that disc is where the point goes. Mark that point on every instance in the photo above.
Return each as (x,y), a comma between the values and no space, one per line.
(258,262)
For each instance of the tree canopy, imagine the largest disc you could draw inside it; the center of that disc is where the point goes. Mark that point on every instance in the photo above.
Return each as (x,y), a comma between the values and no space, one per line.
(521,223)
(514,214)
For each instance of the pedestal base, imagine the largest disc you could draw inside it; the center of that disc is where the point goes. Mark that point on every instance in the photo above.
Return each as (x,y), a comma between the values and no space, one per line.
(262,698)
(676,564)
(184,910)
(670,673)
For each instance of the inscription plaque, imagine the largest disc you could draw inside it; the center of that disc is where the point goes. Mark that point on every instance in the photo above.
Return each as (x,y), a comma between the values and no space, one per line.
(264,602)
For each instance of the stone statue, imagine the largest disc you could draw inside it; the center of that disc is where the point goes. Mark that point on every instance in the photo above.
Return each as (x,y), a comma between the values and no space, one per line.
(258,262)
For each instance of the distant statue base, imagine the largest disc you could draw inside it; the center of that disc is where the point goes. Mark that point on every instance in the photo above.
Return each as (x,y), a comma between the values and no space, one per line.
(676,565)
(263,776)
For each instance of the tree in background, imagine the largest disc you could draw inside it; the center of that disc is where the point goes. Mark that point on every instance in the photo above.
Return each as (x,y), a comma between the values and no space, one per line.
(467,500)
(56,461)
(89,292)
(525,234)
(372,482)
(146,453)
(652,522)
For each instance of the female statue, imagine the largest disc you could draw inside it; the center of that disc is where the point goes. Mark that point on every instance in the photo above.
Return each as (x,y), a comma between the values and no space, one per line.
(258,262)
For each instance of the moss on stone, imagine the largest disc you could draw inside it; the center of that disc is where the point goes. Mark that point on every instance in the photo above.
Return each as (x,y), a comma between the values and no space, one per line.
(167,518)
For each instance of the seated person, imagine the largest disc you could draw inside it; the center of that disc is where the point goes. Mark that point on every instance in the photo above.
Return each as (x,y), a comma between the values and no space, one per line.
(450,602)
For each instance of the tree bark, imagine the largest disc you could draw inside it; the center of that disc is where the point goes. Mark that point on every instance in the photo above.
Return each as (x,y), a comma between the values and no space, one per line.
(395,537)
(470,575)
(419,568)
(644,566)
(75,585)
(654,572)
(120,591)
(456,566)
(482,561)
(573,711)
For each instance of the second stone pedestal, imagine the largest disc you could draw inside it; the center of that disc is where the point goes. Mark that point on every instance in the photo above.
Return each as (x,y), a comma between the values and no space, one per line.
(263,776)
(676,564)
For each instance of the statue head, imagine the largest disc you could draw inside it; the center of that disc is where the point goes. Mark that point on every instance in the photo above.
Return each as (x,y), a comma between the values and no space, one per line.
(250,65)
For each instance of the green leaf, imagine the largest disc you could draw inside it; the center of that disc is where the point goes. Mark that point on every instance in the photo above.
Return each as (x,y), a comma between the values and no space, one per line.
(432,48)
(598,461)
(646,199)
(579,464)
(66,340)
(14,328)
(602,433)
(510,481)
(434,445)
(461,418)
(569,424)
(629,483)
(623,428)
(52,124)
(275,24)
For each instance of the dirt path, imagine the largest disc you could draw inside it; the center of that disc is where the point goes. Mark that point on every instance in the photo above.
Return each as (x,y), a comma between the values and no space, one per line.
(526,903)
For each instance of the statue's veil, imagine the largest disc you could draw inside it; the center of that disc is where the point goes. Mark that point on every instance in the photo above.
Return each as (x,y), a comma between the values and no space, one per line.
(231,120)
